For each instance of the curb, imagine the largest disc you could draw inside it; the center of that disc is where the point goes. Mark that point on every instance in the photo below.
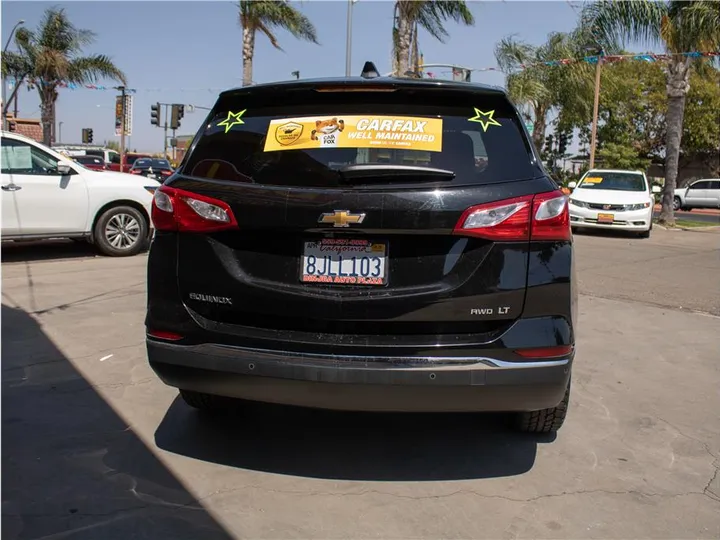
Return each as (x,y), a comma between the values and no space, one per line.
(691,229)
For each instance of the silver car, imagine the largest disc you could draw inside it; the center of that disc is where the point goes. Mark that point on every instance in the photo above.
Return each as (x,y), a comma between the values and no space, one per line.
(703,193)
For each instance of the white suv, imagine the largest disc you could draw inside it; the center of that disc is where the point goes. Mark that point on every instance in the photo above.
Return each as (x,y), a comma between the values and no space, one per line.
(46,195)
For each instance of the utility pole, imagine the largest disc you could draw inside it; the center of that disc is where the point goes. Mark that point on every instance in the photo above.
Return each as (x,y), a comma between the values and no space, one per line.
(596,105)
(165,128)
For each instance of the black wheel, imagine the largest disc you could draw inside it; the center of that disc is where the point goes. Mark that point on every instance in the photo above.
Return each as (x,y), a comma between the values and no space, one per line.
(200,401)
(121,231)
(545,420)
(677,204)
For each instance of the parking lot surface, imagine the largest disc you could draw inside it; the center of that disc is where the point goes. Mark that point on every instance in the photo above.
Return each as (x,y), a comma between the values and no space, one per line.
(94,446)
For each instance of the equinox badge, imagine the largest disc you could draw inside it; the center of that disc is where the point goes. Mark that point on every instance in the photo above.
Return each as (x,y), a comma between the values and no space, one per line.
(341,218)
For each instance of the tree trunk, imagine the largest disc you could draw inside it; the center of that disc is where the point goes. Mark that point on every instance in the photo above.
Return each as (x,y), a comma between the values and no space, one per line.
(678,85)
(248,53)
(539,127)
(46,112)
(403,41)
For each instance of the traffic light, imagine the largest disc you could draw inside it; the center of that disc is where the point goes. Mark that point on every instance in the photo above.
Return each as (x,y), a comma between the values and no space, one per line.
(155,114)
(562,143)
(176,114)
(84,135)
(548,144)
(89,135)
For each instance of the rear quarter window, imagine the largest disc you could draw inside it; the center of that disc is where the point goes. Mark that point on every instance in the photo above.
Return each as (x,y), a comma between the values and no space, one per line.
(309,138)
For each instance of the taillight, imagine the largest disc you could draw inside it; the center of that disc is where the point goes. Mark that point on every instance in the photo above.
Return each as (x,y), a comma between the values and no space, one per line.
(179,210)
(551,217)
(164,334)
(531,217)
(135,171)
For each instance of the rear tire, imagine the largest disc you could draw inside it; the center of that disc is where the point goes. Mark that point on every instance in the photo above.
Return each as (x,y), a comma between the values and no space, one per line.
(121,231)
(677,204)
(200,401)
(545,420)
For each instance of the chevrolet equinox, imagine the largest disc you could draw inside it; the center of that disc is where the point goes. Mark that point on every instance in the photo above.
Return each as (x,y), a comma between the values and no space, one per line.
(368,243)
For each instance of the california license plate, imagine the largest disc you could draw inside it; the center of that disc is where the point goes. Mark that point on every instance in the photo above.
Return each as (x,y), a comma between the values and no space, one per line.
(606,218)
(344,261)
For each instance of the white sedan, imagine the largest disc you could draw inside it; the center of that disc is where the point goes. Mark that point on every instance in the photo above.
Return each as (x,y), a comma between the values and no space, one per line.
(613,199)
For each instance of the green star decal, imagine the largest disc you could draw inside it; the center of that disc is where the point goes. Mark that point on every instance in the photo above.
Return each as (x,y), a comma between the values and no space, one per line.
(485,119)
(233,119)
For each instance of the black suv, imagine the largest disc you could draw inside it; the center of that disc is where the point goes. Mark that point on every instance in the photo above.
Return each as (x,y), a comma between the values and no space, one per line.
(371,243)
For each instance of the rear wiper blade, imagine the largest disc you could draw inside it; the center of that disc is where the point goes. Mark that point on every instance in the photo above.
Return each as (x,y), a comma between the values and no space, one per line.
(385,171)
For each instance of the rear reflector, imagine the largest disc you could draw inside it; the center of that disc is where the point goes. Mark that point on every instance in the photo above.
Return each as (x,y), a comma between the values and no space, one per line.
(545,352)
(179,210)
(163,334)
(532,217)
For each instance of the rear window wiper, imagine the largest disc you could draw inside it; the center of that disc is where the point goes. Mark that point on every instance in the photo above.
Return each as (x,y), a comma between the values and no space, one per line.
(368,172)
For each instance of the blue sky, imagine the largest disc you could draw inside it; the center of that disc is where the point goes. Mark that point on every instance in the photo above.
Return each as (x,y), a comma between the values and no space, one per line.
(185,52)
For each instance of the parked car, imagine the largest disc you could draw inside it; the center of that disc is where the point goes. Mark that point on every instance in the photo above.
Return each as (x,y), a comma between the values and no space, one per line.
(157,169)
(703,193)
(77,150)
(47,195)
(94,163)
(333,243)
(130,158)
(613,199)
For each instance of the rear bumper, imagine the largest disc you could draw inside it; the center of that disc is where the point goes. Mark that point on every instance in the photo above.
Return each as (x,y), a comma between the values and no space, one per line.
(430,384)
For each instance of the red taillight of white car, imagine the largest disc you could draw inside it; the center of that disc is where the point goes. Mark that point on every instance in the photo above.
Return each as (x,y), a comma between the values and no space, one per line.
(179,210)
(544,216)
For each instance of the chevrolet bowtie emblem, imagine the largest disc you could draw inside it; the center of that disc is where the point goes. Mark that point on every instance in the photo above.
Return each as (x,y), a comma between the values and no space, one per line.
(341,218)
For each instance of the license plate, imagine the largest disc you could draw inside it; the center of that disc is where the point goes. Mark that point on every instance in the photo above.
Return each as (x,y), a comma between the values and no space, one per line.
(606,218)
(152,176)
(341,261)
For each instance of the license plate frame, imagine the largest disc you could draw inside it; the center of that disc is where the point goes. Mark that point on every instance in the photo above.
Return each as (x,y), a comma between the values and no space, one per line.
(605,218)
(341,273)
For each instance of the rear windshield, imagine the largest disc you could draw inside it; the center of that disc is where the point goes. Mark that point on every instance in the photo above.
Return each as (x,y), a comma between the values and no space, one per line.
(313,139)
(143,163)
(616,181)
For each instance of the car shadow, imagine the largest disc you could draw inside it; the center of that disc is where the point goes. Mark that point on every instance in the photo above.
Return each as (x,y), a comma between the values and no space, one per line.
(72,468)
(46,250)
(607,233)
(350,445)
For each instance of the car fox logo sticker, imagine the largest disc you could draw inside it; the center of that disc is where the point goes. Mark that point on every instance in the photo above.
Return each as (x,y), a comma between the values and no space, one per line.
(288,133)
(233,119)
(485,119)
(210,298)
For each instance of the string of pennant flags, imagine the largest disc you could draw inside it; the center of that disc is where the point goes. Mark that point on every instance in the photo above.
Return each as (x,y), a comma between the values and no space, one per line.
(549,63)
(605,58)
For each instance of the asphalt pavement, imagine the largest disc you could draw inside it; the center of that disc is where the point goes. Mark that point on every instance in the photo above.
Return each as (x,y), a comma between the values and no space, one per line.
(94,446)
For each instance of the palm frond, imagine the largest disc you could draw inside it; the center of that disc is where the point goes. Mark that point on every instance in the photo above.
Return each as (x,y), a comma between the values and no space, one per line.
(510,53)
(615,22)
(277,14)
(265,30)
(90,69)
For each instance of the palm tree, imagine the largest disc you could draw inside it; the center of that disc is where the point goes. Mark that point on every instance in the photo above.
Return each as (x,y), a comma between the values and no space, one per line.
(50,56)
(679,26)
(428,14)
(537,88)
(266,16)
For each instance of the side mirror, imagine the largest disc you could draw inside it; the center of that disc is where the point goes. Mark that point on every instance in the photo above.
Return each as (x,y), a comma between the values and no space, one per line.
(64,168)
(656,189)
(572,185)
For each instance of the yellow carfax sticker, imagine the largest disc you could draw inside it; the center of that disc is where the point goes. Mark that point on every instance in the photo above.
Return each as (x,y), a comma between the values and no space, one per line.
(593,180)
(404,132)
